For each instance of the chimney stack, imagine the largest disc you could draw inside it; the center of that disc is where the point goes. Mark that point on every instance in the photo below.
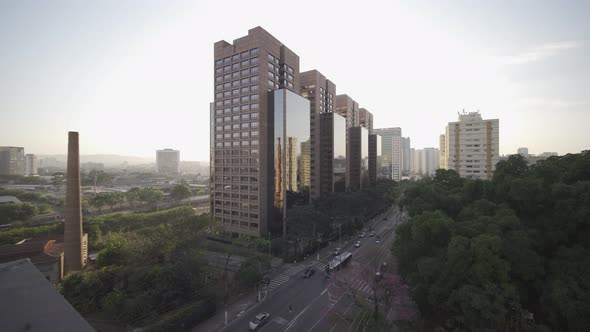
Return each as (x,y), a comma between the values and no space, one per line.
(73,256)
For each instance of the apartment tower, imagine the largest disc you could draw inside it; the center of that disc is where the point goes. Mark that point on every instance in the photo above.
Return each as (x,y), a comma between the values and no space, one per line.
(246,74)
(168,161)
(321,94)
(392,150)
(472,145)
(348,108)
(12,160)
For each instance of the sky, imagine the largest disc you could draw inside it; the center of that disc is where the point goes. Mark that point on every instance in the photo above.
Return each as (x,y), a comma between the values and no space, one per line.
(136,76)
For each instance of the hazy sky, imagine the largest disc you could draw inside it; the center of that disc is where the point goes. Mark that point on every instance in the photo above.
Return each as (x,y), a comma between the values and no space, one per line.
(136,76)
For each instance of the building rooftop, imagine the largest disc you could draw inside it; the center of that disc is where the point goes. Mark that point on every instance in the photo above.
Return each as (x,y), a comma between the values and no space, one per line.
(30,303)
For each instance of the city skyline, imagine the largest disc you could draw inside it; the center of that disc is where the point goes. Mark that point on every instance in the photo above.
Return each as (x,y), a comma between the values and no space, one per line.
(137,80)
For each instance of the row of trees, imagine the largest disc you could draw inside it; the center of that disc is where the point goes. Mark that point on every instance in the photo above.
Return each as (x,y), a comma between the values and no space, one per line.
(503,254)
(138,197)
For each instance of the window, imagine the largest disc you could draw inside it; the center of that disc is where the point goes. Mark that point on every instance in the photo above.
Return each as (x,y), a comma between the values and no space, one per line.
(245,63)
(218,103)
(290,70)
(235,109)
(218,79)
(290,77)
(235,66)
(235,74)
(245,107)
(236,126)
(254,60)
(245,89)
(226,136)
(290,85)
(219,62)
(226,119)
(245,72)
(218,120)
(255,124)
(218,128)
(226,110)
(219,87)
(219,70)
(235,100)
(271,66)
(235,91)
(235,57)
(218,112)
(245,54)
(226,94)
(226,60)
(254,70)
(245,80)
(245,99)
(270,57)
(271,84)
(254,79)
(218,95)
(245,134)
(236,118)
(254,51)
(271,75)
(246,116)
(218,144)
(254,88)
(236,143)
(254,134)
(227,127)
(226,69)
(226,85)
(226,102)
(235,83)
(245,125)
(226,77)
(236,135)
(254,106)
(245,143)
(227,144)
(254,97)
(254,115)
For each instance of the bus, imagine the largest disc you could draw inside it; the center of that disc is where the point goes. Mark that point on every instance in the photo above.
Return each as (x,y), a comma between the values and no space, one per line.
(340,261)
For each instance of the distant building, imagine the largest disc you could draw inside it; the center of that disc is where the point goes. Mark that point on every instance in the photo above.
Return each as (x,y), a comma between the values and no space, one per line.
(12,160)
(31,303)
(548,154)
(523,152)
(472,145)
(333,153)
(359,155)
(375,158)
(348,108)
(168,161)
(391,146)
(366,119)
(405,155)
(442,152)
(31,164)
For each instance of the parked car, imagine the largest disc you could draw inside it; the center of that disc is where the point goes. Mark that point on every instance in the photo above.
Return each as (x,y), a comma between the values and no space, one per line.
(259,321)
(337,251)
(308,272)
(357,244)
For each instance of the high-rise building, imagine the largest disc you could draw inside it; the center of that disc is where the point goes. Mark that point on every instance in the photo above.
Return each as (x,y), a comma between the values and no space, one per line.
(333,153)
(321,94)
(247,72)
(348,108)
(405,156)
(472,145)
(12,160)
(366,119)
(31,164)
(523,152)
(75,242)
(359,158)
(427,161)
(392,150)
(168,161)
(442,152)
(412,153)
(375,158)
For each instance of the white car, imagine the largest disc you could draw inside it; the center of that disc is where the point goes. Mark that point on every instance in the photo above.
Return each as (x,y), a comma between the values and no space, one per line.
(362,234)
(357,244)
(258,321)
(337,251)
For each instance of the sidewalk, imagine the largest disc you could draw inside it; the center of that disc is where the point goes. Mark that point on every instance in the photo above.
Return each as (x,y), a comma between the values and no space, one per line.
(218,320)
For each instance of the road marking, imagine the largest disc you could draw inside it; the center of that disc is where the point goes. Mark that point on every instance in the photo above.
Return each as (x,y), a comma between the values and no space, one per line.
(305,309)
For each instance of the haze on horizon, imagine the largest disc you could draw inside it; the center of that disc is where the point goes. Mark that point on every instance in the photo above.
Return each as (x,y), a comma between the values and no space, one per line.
(134,77)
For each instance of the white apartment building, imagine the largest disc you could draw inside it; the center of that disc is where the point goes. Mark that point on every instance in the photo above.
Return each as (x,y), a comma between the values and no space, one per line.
(168,161)
(472,145)
(391,150)
(405,155)
(442,152)
(31,164)
(425,161)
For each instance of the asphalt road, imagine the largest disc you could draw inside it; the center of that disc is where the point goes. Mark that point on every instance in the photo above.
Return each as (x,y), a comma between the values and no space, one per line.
(315,304)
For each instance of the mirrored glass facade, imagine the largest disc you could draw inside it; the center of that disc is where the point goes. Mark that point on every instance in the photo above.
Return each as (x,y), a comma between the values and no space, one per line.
(339,163)
(291,147)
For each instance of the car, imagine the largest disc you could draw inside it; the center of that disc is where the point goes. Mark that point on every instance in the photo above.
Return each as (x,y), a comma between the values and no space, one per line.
(372,234)
(378,276)
(259,321)
(362,234)
(337,251)
(308,272)
(357,244)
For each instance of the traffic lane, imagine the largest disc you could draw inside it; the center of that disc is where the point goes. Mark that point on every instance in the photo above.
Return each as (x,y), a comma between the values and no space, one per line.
(298,291)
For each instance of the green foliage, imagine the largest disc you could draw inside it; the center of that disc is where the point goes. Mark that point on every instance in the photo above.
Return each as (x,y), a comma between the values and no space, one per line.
(180,192)
(479,253)
(114,251)
(12,212)
(25,196)
(14,235)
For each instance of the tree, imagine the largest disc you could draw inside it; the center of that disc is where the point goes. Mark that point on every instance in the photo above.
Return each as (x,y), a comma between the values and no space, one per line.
(180,192)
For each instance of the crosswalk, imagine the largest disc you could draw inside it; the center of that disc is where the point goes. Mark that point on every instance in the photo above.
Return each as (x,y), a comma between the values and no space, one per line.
(282,278)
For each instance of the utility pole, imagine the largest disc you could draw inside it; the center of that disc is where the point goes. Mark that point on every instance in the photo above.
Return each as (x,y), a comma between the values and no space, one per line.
(269,242)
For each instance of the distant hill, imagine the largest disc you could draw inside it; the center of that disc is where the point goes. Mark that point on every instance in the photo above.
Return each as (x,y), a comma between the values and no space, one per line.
(106,159)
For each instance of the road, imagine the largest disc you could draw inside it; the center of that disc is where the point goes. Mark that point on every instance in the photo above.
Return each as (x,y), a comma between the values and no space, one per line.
(317,304)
